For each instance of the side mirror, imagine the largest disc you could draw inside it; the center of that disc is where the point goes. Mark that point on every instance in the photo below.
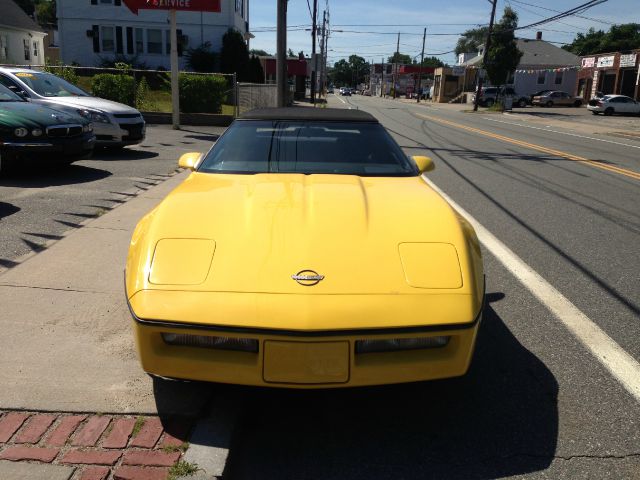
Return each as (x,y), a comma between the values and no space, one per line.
(190,160)
(425,164)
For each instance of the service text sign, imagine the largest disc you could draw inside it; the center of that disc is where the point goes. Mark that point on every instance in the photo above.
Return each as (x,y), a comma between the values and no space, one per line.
(185,5)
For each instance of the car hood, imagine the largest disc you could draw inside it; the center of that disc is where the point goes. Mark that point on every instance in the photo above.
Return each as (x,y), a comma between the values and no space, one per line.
(252,233)
(94,103)
(30,115)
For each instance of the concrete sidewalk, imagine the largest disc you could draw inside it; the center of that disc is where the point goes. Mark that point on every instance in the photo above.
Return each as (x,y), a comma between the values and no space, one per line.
(65,330)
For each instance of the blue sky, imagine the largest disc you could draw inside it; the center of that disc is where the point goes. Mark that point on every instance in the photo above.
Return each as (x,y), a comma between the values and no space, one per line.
(434,14)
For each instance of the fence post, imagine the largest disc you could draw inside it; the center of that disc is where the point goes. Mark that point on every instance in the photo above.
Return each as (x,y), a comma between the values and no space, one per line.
(236,96)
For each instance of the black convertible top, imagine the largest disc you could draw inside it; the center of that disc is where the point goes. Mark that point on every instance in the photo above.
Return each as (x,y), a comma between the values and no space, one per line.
(308,113)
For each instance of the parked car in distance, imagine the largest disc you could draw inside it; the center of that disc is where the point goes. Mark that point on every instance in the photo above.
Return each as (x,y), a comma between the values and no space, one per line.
(554,98)
(489,95)
(32,133)
(330,90)
(610,104)
(383,283)
(115,124)
(537,94)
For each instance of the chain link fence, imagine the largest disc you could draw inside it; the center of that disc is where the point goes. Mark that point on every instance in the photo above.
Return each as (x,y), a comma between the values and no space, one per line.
(256,95)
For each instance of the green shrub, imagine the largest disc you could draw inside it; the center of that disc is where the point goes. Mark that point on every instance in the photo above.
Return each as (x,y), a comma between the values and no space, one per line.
(202,93)
(119,88)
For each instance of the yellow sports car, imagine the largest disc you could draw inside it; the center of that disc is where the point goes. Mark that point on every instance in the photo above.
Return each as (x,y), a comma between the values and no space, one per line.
(306,251)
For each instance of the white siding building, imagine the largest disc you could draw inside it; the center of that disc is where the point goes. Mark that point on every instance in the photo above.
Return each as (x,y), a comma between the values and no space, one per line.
(95,30)
(21,39)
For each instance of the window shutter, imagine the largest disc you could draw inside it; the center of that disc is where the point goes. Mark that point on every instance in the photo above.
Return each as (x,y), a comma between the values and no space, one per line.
(94,2)
(179,35)
(119,47)
(96,38)
(130,40)
(117,3)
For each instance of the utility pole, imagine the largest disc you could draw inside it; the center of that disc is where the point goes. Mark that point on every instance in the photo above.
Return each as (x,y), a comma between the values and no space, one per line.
(395,69)
(322,55)
(487,45)
(281,57)
(382,79)
(424,38)
(314,60)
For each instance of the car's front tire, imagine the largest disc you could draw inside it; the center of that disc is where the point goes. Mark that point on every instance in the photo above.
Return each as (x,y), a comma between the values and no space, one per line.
(549,104)
(609,111)
(577,103)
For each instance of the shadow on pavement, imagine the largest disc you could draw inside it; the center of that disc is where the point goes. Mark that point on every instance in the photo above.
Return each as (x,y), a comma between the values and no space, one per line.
(7,209)
(105,154)
(53,177)
(499,420)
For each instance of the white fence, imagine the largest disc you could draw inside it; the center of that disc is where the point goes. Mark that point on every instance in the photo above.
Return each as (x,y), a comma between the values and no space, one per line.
(256,95)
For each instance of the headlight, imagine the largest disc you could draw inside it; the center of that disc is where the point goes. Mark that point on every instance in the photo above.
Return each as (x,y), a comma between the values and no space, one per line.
(36,132)
(87,128)
(396,344)
(21,132)
(94,116)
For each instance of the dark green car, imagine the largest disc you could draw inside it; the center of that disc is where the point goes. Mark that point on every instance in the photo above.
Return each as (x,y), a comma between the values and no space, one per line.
(31,133)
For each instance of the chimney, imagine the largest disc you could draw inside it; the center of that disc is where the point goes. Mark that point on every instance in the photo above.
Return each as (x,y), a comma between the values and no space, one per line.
(538,35)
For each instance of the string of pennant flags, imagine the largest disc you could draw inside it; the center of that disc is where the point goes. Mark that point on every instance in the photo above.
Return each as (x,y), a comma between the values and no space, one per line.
(561,69)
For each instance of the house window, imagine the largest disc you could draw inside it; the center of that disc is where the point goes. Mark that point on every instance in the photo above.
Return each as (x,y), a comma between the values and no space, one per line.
(542,77)
(558,79)
(167,41)
(154,41)
(107,39)
(106,2)
(35,48)
(3,47)
(238,3)
(139,41)
(27,49)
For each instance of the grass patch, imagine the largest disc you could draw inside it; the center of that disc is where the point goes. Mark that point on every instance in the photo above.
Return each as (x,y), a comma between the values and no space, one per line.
(140,421)
(176,448)
(182,469)
(496,107)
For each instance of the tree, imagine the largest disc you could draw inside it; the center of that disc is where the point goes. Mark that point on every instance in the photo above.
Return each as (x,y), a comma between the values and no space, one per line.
(259,53)
(44,10)
(349,72)
(290,54)
(201,59)
(618,38)
(503,56)
(432,62)
(234,56)
(400,58)
(471,40)
(256,73)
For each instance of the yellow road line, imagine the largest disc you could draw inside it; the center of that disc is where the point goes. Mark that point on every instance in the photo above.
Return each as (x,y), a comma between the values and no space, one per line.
(551,151)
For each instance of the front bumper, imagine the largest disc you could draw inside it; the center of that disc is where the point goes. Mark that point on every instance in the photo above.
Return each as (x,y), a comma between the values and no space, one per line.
(305,359)
(50,149)
(119,134)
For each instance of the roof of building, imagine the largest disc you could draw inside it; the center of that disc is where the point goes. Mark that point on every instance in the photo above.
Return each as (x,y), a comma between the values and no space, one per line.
(537,53)
(13,16)
(305,113)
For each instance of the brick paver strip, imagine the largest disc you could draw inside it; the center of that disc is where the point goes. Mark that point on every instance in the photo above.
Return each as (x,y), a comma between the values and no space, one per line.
(149,433)
(119,435)
(141,473)
(63,431)
(34,428)
(90,432)
(22,452)
(10,423)
(176,432)
(95,473)
(91,457)
(150,458)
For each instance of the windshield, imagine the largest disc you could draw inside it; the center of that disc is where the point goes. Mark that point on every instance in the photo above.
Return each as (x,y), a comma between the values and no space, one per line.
(48,85)
(7,95)
(347,148)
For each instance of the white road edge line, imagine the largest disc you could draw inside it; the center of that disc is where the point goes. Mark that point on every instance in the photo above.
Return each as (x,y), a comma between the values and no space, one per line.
(547,129)
(611,355)
(341,100)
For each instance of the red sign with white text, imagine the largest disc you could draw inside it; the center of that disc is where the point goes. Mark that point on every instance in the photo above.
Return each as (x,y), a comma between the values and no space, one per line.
(187,5)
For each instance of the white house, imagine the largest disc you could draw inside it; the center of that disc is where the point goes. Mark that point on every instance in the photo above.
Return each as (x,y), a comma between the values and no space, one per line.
(91,31)
(21,39)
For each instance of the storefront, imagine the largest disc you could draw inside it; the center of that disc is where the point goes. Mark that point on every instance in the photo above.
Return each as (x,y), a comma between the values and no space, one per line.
(610,73)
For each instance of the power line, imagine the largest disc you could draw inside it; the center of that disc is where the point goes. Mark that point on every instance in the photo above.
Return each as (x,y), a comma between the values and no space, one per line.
(557,11)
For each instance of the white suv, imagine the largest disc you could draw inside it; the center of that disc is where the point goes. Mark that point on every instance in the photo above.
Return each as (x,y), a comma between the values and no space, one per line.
(115,124)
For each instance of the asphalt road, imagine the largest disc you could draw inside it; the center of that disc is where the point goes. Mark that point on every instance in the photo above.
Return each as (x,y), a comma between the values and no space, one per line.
(39,207)
(536,402)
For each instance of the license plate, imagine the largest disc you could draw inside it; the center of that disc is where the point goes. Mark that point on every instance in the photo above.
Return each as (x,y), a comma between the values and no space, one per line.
(306,362)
